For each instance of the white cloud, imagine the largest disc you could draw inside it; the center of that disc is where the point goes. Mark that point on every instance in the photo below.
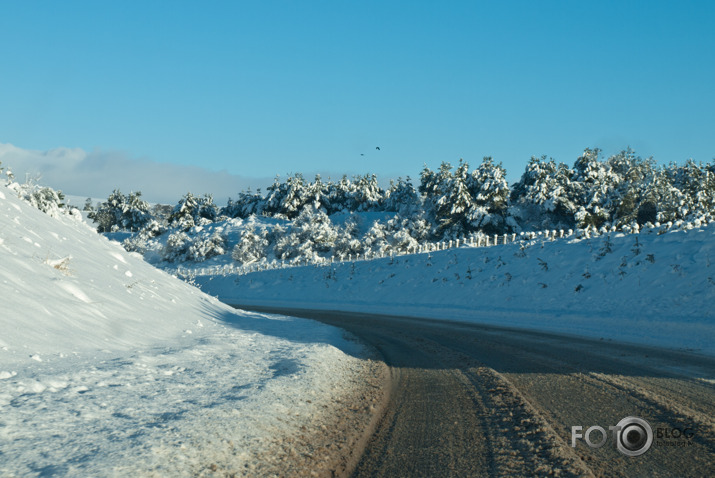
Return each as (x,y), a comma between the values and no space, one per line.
(95,174)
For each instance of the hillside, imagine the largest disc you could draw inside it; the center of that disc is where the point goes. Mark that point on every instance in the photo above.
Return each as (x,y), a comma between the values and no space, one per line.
(110,367)
(656,287)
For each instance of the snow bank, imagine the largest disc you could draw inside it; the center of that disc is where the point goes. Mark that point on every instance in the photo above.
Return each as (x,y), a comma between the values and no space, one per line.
(110,367)
(646,288)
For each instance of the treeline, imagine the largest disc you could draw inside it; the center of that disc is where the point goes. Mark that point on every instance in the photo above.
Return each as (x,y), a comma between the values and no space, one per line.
(623,189)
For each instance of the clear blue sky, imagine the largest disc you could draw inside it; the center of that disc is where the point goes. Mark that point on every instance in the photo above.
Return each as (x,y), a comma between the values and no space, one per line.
(262,88)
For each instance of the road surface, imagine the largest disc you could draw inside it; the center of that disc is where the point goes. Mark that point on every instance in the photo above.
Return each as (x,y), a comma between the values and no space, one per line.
(473,400)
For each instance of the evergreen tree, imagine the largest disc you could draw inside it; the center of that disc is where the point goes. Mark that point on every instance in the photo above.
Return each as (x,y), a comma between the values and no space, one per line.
(295,197)
(490,190)
(194,211)
(339,196)
(347,240)
(311,234)
(247,204)
(317,195)
(402,198)
(434,187)
(252,246)
(367,194)
(120,212)
(595,182)
(544,197)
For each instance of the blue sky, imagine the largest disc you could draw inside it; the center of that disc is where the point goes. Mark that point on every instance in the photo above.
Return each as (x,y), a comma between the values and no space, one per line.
(254,89)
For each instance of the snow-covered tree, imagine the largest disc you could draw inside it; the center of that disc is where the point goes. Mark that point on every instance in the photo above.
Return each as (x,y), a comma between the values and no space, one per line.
(45,199)
(434,185)
(317,195)
(181,247)
(595,184)
(347,240)
(247,204)
(402,197)
(120,212)
(543,198)
(139,242)
(340,195)
(490,190)
(295,196)
(460,202)
(696,185)
(368,195)
(252,245)
(206,245)
(396,235)
(455,207)
(311,234)
(194,211)
(176,247)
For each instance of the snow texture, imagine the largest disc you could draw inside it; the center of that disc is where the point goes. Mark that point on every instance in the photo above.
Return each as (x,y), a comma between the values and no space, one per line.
(110,367)
(654,288)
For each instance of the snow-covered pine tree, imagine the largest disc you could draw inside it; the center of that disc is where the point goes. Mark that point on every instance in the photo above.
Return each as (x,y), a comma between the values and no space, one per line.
(697,190)
(490,191)
(396,235)
(317,195)
(311,234)
(543,198)
(206,245)
(295,197)
(594,182)
(367,195)
(45,199)
(634,194)
(347,241)
(433,187)
(193,211)
(140,242)
(274,197)
(248,203)
(252,245)
(176,247)
(121,213)
(402,198)
(340,195)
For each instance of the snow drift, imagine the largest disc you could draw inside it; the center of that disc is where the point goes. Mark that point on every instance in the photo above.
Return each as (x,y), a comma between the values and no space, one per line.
(110,367)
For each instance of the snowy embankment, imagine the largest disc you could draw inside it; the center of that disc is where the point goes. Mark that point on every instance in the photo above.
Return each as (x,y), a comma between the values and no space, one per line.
(653,288)
(110,367)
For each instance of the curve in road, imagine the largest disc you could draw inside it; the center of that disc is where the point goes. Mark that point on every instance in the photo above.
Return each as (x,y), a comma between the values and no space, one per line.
(474,400)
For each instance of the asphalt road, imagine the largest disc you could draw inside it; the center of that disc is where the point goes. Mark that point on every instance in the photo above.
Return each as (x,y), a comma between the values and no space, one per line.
(471,400)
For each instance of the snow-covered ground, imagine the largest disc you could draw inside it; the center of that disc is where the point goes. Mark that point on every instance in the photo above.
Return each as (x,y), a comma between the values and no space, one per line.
(656,287)
(110,367)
